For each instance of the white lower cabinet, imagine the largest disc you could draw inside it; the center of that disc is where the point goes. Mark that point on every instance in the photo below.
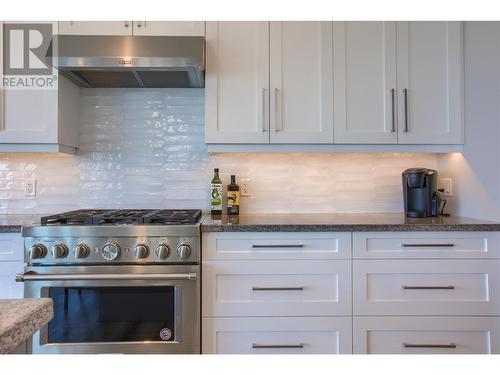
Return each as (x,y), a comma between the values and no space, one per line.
(398,293)
(426,335)
(264,335)
(11,263)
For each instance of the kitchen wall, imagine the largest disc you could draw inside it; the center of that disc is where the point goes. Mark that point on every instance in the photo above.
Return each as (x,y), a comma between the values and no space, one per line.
(476,171)
(145,148)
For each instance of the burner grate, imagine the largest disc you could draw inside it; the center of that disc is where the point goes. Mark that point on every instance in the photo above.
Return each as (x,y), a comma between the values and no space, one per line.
(123,216)
(173,217)
(78,217)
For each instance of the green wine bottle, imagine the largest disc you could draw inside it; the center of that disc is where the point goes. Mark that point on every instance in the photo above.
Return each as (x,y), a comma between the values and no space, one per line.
(216,194)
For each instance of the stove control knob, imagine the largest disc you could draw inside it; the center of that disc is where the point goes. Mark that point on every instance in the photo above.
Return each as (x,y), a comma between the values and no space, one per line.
(81,251)
(162,251)
(38,251)
(141,251)
(59,250)
(110,251)
(183,250)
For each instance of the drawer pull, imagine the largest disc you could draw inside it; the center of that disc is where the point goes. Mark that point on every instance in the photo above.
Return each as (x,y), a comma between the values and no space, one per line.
(418,287)
(267,289)
(427,244)
(293,246)
(431,346)
(278,346)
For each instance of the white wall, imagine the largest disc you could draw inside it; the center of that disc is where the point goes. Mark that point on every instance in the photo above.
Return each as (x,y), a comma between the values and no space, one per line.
(476,172)
(142,148)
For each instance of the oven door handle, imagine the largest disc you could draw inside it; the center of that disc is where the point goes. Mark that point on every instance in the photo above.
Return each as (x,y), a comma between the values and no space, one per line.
(31,276)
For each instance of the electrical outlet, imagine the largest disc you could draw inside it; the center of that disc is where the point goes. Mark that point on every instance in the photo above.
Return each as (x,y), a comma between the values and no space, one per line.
(446,185)
(30,188)
(245,187)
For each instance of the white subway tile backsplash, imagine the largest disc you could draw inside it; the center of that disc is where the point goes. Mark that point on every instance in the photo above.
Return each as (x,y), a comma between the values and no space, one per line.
(145,148)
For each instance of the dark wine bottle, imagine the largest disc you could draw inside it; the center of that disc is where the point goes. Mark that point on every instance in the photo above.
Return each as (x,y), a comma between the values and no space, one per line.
(233,197)
(216,194)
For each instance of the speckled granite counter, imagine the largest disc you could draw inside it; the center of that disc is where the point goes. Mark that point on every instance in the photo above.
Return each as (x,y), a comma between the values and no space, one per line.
(12,223)
(20,319)
(342,222)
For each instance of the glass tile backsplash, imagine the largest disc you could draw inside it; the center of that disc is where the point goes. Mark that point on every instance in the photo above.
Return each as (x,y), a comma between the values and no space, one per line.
(145,148)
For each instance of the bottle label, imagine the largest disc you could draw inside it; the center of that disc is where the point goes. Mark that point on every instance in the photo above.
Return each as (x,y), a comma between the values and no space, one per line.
(233,198)
(216,197)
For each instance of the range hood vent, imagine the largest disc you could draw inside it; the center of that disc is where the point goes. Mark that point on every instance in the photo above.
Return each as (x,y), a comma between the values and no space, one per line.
(130,61)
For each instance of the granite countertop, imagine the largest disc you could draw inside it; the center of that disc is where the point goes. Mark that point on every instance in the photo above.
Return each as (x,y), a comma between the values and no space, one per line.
(12,223)
(342,222)
(20,319)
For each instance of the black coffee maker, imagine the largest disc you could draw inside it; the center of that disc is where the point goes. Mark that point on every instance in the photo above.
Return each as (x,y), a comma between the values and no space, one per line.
(420,192)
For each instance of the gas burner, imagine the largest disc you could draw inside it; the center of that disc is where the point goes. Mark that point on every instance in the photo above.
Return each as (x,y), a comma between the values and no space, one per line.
(123,217)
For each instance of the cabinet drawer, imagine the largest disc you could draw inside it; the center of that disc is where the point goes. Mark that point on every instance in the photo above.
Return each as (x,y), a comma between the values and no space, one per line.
(384,245)
(276,245)
(426,287)
(276,335)
(276,288)
(11,247)
(426,335)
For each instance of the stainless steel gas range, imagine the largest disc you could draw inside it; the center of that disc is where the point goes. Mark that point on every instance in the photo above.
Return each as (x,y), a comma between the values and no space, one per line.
(122,281)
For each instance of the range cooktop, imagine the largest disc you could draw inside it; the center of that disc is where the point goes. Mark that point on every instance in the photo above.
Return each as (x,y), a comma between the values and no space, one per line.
(124,216)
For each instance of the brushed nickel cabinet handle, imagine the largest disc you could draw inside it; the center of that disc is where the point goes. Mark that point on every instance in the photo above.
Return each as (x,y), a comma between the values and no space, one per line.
(393,129)
(427,244)
(277,107)
(421,287)
(263,110)
(278,346)
(405,91)
(292,246)
(430,346)
(267,289)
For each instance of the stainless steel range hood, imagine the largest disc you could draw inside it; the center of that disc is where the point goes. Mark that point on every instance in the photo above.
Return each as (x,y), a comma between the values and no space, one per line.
(130,61)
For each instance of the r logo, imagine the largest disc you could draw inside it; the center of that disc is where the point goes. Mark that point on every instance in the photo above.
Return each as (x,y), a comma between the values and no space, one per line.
(26,46)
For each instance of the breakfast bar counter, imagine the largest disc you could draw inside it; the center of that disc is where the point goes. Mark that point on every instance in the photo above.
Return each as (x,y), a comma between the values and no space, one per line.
(20,319)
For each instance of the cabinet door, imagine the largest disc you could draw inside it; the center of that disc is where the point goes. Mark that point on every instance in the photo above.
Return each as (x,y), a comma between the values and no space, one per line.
(430,79)
(301,82)
(30,115)
(95,27)
(169,28)
(364,82)
(237,82)
(9,288)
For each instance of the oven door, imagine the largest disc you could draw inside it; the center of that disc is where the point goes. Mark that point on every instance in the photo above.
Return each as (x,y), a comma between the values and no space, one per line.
(118,309)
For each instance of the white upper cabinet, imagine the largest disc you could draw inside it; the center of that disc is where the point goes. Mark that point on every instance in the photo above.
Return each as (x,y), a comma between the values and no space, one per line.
(169,28)
(95,27)
(152,28)
(38,118)
(301,109)
(382,83)
(365,82)
(398,82)
(269,82)
(237,82)
(430,76)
